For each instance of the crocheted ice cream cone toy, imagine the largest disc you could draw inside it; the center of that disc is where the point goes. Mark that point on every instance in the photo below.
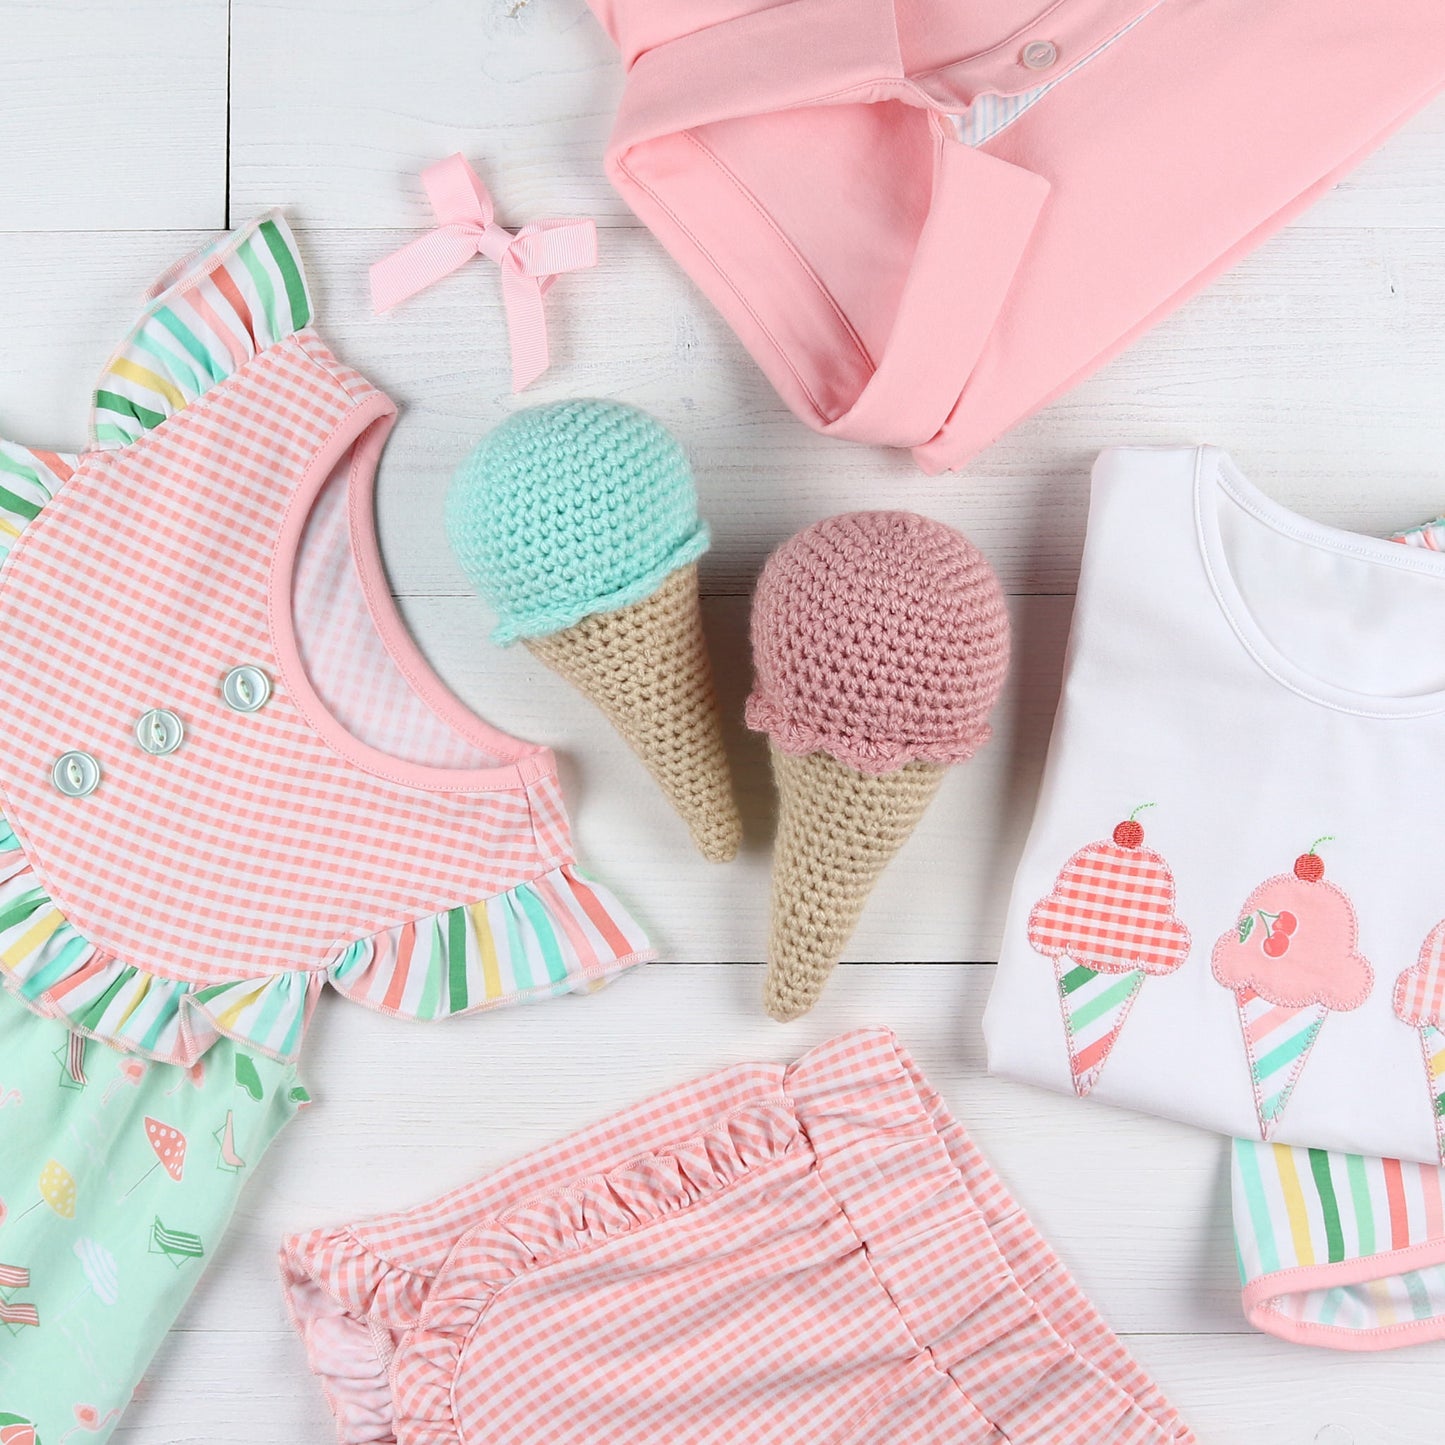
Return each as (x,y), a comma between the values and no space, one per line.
(880,643)
(578,523)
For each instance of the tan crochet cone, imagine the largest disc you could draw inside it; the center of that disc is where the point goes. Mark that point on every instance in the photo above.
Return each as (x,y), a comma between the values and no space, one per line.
(646,667)
(838,829)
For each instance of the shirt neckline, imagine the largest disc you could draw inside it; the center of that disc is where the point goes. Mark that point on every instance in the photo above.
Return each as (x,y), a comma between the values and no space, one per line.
(1216,478)
(521,763)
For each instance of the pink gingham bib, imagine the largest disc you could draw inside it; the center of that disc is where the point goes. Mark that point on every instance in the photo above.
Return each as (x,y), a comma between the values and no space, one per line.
(227,773)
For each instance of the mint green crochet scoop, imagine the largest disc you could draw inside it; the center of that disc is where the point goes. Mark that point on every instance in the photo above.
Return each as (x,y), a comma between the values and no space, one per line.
(572,509)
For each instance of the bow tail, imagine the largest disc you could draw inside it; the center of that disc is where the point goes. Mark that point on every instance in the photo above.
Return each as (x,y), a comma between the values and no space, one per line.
(420,263)
(526,327)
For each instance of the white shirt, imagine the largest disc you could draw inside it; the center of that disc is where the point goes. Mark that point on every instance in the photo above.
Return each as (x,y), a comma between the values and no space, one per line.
(1269,695)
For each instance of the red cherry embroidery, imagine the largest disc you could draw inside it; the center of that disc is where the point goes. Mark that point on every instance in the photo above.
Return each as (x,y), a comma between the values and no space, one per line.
(1309,867)
(1130,834)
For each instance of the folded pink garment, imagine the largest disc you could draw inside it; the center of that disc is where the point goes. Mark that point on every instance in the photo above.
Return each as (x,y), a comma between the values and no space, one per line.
(928,218)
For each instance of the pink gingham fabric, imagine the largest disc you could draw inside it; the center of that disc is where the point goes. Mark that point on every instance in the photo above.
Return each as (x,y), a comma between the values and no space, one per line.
(1112,909)
(1420,989)
(768,1256)
(271,841)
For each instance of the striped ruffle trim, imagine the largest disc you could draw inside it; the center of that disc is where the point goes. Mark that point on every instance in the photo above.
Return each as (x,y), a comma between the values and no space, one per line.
(560,933)
(1430,535)
(29,478)
(555,934)
(211,314)
(1340,1250)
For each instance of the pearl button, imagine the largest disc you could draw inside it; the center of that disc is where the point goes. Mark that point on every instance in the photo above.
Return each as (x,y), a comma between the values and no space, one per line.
(246,689)
(159,732)
(1039,54)
(76,774)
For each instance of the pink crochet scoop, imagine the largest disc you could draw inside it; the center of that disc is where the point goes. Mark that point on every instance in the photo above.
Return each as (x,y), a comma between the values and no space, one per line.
(881,638)
(227,772)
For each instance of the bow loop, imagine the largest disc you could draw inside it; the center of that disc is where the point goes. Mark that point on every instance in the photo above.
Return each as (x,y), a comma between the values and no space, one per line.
(530,260)
(456,193)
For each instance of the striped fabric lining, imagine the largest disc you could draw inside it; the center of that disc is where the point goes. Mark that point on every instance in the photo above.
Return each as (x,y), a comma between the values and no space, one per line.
(244,294)
(989,115)
(1340,1249)
(556,934)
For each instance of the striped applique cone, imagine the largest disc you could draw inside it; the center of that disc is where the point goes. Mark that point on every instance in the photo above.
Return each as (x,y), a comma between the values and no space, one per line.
(1108,923)
(1420,1002)
(1095,1005)
(1277,1042)
(1290,959)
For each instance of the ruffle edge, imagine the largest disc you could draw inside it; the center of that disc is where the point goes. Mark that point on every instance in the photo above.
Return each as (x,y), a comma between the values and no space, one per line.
(564,1222)
(29,478)
(555,934)
(798,737)
(208,316)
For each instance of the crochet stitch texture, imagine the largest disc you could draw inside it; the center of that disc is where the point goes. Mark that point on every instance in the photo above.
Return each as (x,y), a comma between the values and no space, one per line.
(572,509)
(878,637)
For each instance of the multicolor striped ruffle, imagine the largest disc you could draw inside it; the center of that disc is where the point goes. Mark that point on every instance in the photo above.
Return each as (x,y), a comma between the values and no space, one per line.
(555,934)
(1338,1249)
(558,934)
(1430,535)
(29,478)
(211,314)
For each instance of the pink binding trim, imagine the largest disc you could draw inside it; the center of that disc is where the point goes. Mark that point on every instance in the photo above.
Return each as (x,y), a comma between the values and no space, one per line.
(366,429)
(1260,1294)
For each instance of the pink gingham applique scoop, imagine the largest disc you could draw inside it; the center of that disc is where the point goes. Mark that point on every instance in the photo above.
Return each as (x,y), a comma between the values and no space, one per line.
(227,775)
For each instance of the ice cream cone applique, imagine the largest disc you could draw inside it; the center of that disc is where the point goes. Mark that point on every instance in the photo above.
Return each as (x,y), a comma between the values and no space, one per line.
(1108,923)
(1420,1003)
(578,524)
(1291,959)
(880,645)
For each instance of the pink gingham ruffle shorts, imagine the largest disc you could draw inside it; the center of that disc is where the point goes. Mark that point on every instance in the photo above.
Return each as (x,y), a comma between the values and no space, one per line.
(816,1253)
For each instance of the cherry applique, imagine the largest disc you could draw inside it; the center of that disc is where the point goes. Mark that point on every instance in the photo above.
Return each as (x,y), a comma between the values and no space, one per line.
(1291,960)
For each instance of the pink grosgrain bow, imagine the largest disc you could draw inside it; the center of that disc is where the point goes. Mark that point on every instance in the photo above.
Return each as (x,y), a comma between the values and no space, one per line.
(531,260)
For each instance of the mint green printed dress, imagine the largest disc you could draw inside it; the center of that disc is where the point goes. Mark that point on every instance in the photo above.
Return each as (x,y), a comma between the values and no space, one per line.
(121,1174)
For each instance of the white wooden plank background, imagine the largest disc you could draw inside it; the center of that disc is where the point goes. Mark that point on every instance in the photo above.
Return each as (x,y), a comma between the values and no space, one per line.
(129,130)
